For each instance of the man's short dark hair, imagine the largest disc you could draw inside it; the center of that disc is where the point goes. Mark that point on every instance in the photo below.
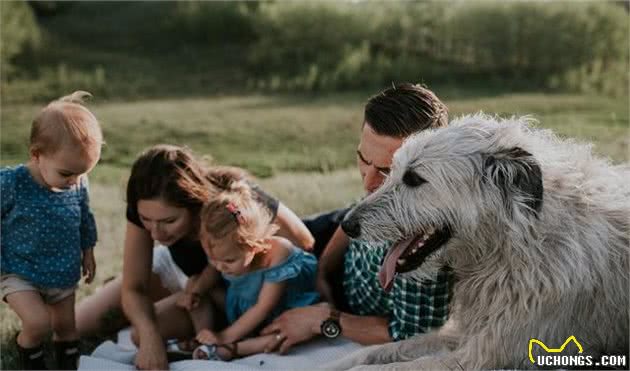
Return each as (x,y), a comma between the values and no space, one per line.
(405,109)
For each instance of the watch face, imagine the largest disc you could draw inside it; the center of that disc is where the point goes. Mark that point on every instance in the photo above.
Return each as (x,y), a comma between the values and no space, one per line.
(331,329)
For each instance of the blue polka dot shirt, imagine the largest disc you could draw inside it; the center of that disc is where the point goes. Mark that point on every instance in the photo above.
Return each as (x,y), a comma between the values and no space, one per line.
(44,232)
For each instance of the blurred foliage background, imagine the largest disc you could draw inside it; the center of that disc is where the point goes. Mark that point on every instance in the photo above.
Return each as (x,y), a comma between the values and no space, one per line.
(278,87)
(124,49)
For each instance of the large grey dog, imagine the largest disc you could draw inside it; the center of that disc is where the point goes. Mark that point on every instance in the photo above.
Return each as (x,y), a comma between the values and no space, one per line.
(535,228)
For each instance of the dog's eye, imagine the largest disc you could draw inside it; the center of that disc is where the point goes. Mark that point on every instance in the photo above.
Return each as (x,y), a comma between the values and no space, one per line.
(412,179)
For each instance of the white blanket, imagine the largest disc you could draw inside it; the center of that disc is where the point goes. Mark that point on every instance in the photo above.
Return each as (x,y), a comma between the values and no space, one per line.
(120,356)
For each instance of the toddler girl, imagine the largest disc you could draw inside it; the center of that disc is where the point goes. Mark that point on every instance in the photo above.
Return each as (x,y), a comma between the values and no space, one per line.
(265,274)
(48,231)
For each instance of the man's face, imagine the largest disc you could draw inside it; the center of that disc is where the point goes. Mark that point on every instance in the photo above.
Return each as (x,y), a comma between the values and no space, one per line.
(374,157)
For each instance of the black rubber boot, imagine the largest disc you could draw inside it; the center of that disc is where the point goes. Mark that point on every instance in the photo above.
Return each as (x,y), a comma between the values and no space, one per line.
(67,354)
(32,358)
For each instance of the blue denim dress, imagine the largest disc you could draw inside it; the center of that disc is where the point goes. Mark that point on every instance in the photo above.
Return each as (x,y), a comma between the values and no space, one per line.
(298,271)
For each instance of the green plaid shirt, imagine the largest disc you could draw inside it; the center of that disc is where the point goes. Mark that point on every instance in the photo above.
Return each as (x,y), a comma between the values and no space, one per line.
(412,307)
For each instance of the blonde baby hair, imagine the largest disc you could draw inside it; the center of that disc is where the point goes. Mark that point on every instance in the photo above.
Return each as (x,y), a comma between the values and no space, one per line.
(233,215)
(65,121)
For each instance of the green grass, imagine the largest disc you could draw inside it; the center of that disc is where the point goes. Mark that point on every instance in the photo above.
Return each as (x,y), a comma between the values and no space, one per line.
(276,134)
(263,134)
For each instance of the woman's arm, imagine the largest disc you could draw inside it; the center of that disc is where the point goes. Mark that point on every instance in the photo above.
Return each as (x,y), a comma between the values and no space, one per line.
(136,303)
(292,228)
(268,298)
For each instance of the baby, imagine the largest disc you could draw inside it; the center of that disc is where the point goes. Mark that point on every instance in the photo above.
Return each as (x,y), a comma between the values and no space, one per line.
(48,230)
(265,274)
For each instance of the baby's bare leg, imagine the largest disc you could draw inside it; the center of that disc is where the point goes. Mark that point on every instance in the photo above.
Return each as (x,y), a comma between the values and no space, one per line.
(33,313)
(62,319)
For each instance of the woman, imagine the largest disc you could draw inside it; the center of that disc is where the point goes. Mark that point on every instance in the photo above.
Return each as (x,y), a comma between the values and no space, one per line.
(165,192)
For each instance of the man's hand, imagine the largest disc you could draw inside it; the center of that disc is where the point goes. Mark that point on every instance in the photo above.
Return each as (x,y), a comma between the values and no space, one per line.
(89,265)
(295,326)
(188,300)
(151,355)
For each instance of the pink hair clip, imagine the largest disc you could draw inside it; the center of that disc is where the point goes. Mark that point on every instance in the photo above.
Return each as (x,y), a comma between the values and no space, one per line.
(236,213)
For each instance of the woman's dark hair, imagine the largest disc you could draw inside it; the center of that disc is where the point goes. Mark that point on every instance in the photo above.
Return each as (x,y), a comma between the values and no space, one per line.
(405,109)
(170,173)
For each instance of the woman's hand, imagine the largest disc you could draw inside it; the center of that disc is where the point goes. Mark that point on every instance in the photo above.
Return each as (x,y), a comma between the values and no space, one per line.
(295,326)
(188,300)
(151,354)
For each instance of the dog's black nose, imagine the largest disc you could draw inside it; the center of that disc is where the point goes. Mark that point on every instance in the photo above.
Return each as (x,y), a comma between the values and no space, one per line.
(351,227)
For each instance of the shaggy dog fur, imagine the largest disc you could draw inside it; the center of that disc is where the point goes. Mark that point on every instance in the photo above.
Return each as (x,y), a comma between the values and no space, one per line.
(535,228)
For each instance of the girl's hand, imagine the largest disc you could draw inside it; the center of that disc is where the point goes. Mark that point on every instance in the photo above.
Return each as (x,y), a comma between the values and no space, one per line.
(206,336)
(188,300)
(89,265)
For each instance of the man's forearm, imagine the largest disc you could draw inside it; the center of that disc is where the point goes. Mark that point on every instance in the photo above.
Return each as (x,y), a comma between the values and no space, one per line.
(366,330)
(332,256)
(330,268)
(325,291)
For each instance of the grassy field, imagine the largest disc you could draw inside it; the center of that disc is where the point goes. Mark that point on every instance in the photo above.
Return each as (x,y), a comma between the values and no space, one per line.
(301,147)
(274,134)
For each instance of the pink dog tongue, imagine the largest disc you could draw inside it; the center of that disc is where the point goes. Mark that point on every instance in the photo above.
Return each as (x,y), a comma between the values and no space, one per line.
(388,269)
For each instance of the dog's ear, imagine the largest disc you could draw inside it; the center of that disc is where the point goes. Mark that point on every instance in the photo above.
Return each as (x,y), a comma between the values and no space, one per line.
(518,175)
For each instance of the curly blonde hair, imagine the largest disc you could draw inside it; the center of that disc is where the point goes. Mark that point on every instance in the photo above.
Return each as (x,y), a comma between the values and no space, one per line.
(233,215)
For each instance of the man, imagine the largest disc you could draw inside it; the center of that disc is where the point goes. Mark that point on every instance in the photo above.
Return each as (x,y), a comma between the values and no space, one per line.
(370,315)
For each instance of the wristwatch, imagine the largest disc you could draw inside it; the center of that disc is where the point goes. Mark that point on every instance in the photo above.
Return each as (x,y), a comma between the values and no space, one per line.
(331,328)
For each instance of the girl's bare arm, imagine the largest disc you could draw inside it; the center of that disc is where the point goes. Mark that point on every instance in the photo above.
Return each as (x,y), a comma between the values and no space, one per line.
(268,298)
